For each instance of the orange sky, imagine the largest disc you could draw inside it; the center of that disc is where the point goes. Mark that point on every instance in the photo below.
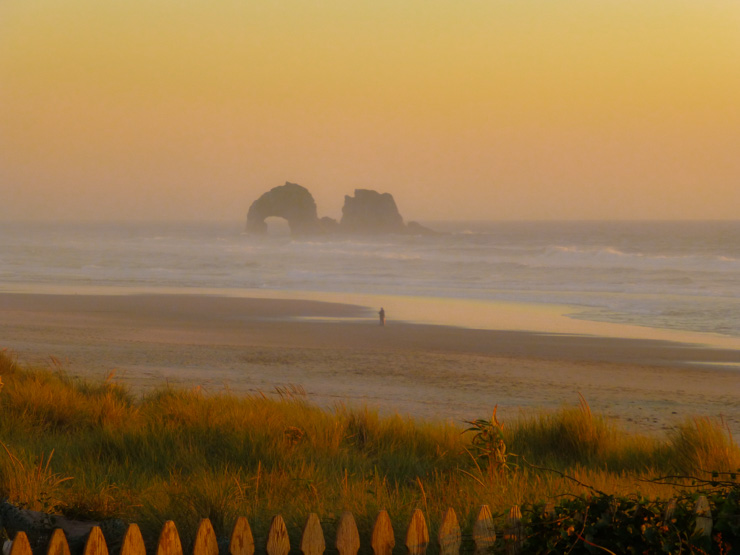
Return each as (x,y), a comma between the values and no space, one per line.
(471,109)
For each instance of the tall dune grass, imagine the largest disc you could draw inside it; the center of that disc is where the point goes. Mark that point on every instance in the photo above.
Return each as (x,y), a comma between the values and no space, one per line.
(91,450)
(575,437)
(703,444)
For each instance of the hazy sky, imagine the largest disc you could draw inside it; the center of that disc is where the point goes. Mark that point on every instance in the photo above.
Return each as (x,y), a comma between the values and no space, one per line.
(479,109)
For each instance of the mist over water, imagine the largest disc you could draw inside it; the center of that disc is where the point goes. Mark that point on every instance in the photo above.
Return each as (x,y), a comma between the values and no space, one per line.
(671,275)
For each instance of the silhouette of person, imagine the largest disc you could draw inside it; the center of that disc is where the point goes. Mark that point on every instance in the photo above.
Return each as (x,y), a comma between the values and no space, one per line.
(381,313)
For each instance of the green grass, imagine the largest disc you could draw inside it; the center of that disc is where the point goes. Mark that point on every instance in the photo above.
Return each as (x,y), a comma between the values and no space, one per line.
(91,450)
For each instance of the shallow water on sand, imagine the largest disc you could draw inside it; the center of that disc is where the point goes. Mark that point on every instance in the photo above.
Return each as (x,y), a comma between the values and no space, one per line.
(679,276)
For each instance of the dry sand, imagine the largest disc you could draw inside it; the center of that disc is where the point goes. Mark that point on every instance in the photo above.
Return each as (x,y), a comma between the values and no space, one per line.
(337,353)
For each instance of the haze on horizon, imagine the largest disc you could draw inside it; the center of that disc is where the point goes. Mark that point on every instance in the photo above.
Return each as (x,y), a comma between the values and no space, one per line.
(533,109)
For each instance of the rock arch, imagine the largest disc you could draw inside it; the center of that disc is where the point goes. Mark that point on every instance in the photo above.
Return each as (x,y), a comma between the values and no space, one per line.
(289,201)
(367,212)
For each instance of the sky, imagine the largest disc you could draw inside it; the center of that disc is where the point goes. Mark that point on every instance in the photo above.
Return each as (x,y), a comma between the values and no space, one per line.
(462,109)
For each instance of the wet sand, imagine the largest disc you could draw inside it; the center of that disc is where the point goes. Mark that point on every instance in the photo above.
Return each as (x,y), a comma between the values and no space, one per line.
(338,354)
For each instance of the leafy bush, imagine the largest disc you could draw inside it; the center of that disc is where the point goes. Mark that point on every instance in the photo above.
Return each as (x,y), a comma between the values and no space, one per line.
(602,523)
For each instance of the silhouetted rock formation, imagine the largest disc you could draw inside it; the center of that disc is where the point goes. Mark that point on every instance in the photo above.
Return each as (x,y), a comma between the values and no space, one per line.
(371,212)
(367,212)
(289,201)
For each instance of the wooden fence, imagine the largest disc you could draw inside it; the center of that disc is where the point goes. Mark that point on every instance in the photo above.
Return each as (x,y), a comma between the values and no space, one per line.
(347,541)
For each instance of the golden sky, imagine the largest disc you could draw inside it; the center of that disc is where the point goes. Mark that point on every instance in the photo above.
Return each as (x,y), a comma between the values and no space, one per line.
(462,109)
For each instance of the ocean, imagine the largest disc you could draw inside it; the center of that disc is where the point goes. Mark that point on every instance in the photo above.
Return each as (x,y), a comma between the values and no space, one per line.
(665,275)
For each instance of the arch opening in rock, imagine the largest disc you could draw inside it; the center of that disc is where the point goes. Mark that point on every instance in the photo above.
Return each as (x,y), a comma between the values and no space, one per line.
(291,202)
(366,212)
(277,226)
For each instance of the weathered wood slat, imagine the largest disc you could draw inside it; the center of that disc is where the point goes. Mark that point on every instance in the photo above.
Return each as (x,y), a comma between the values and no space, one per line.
(670,509)
(58,543)
(514,532)
(703,516)
(169,540)
(242,541)
(484,534)
(312,540)
(133,543)
(205,539)
(348,538)
(417,535)
(278,542)
(449,536)
(383,540)
(95,544)
(21,545)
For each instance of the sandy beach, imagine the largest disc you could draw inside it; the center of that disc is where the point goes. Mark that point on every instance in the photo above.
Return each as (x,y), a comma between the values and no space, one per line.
(338,354)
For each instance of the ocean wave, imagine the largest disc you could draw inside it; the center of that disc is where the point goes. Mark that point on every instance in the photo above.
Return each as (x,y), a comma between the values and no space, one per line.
(614,257)
(672,276)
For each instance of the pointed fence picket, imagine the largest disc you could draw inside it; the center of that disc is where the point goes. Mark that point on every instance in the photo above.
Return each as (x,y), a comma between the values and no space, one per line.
(312,540)
(242,541)
(21,546)
(278,542)
(383,540)
(348,538)
(347,542)
(96,545)
(133,542)
(58,544)
(417,535)
(449,536)
(484,536)
(169,540)
(514,533)
(205,539)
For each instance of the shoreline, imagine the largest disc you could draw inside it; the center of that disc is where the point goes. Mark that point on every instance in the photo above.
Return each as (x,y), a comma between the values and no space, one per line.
(476,314)
(338,354)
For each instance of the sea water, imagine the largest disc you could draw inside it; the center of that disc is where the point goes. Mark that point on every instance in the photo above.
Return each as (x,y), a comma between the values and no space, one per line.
(666,275)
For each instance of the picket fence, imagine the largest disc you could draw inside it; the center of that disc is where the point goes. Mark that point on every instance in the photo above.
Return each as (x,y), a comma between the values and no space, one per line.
(347,541)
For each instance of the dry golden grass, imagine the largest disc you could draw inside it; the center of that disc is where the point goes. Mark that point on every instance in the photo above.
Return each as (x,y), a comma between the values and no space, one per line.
(182,455)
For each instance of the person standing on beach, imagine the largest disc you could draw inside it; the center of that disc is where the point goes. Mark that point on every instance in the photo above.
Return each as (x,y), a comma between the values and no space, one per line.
(381,313)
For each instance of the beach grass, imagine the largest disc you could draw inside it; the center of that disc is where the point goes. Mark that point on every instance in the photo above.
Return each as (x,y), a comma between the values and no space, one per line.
(94,451)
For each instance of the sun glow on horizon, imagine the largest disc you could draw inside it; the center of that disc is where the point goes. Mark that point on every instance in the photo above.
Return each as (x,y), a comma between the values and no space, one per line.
(483,110)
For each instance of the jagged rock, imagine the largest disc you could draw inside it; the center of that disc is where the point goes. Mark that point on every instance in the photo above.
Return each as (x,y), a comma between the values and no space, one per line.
(366,212)
(329,225)
(371,212)
(415,228)
(289,201)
